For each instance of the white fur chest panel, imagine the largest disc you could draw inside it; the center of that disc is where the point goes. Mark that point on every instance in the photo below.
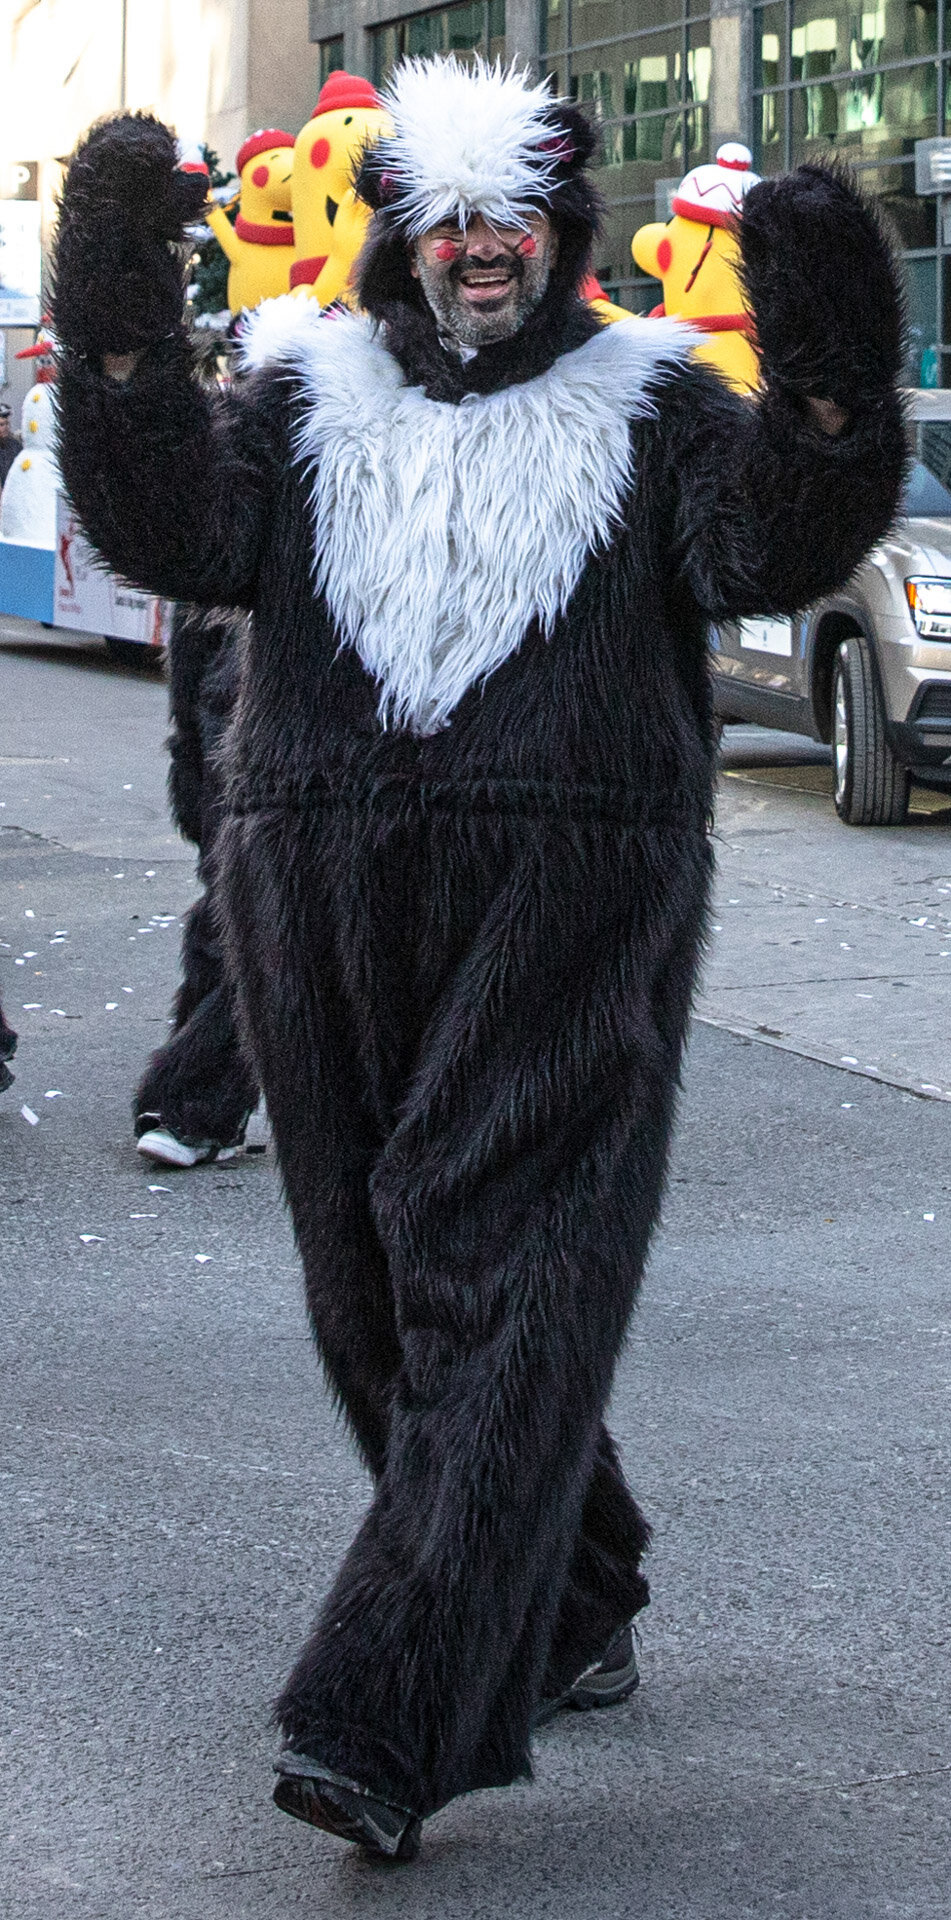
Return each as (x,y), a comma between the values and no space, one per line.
(441,531)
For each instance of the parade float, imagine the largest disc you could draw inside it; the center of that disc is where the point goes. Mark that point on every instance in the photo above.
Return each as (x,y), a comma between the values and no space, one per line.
(48,571)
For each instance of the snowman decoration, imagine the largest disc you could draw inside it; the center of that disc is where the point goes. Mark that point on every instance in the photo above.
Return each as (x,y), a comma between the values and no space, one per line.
(28,501)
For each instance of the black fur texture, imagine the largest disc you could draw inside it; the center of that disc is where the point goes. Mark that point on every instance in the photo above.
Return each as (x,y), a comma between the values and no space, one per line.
(465,964)
(821,279)
(200,1083)
(8,1047)
(119,263)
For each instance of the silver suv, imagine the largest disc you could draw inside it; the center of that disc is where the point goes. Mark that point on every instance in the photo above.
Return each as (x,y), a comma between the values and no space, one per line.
(869,669)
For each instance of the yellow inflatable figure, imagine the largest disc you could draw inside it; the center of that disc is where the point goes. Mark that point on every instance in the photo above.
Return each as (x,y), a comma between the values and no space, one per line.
(329,222)
(260,245)
(695,256)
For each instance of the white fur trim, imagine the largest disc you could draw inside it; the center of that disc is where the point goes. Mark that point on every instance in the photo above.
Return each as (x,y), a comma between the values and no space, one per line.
(466,140)
(274,329)
(441,532)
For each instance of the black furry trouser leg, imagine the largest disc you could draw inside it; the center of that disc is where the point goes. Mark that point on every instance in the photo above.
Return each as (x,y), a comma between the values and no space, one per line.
(471,1113)
(200,1083)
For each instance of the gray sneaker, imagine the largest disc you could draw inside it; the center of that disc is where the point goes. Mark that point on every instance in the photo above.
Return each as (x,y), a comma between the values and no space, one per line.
(612,1679)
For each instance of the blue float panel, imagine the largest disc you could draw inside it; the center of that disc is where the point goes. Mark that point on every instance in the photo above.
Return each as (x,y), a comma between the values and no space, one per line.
(26,581)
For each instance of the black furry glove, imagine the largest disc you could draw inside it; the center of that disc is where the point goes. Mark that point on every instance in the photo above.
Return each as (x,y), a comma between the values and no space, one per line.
(118,272)
(820,277)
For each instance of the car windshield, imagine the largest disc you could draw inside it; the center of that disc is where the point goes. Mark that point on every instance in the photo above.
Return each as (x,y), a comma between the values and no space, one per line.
(927,492)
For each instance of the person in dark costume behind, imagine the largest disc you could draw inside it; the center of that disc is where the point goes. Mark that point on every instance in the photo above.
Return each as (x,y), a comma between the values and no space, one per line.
(199,1089)
(464,860)
(8,1047)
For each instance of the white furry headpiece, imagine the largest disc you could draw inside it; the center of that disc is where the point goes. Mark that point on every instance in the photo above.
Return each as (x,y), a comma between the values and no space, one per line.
(468,139)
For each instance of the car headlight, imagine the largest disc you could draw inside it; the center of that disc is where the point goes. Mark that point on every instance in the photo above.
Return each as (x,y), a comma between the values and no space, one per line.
(930,604)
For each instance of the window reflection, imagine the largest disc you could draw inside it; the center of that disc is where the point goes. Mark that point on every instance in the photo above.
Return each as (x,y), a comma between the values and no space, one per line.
(475,26)
(643,74)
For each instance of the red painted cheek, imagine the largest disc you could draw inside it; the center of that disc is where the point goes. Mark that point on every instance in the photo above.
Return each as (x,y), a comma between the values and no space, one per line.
(665,254)
(320,153)
(528,246)
(445,250)
(260,176)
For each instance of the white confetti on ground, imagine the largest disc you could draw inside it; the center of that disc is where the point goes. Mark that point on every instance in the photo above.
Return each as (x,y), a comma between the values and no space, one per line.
(929,1216)
(160,1189)
(89,1238)
(202,1257)
(54,1094)
(32,1119)
(111,1006)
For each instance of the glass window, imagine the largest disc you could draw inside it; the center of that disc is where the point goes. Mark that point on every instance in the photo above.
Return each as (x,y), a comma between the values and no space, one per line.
(554,26)
(770,135)
(614,267)
(835,36)
(874,113)
(329,57)
(475,26)
(643,74)
(769,46)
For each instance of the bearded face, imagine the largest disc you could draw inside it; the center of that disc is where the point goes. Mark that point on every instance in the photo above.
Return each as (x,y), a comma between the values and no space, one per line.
(482,282)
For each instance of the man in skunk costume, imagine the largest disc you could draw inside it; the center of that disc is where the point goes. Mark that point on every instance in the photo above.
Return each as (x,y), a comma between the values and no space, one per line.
(464,864)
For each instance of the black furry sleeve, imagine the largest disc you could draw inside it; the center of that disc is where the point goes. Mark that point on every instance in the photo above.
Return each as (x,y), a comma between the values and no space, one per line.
(172,484)
(766,512)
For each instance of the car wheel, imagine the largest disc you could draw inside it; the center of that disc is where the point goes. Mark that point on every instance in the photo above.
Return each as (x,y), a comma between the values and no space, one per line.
(871,786)
(131,653)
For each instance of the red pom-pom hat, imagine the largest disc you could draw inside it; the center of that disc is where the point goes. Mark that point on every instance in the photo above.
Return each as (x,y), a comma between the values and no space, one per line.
(345,90)
(261,142)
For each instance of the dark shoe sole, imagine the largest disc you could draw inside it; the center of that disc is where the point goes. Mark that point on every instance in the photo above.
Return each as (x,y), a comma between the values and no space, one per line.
(341,1807)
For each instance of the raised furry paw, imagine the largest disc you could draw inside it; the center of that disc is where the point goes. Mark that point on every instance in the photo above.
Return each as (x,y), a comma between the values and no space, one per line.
(820,277)
(125,206)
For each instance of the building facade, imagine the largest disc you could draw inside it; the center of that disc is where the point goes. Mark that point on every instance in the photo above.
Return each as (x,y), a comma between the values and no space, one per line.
(670,80)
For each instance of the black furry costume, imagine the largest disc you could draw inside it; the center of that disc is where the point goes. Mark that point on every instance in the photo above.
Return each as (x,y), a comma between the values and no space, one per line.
(200,1083)
(466,956)
(8,1047)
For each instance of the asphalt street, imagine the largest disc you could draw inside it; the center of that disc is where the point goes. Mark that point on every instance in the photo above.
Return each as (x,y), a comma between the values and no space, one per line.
(175,1490)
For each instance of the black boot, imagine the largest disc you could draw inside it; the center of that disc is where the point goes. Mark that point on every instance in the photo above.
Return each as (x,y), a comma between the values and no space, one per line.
(324,1799)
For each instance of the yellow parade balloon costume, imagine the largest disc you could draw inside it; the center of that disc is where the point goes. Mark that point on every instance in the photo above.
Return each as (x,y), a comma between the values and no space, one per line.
(330,224)
(695,255)
(260,245)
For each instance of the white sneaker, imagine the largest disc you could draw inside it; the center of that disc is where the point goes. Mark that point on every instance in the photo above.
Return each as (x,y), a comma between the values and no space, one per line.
(160,1144)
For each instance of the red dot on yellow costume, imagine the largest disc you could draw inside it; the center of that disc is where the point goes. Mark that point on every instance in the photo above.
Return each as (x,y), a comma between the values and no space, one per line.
(260,176)
(320,153)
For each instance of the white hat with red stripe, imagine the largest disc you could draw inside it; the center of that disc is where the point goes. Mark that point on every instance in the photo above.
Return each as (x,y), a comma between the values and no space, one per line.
(713,195)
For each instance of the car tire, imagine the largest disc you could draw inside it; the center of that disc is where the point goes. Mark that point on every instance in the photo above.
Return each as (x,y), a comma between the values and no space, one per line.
(870,786)
(133,653)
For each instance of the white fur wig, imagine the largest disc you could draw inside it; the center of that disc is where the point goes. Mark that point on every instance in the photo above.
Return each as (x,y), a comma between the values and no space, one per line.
(467,139)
